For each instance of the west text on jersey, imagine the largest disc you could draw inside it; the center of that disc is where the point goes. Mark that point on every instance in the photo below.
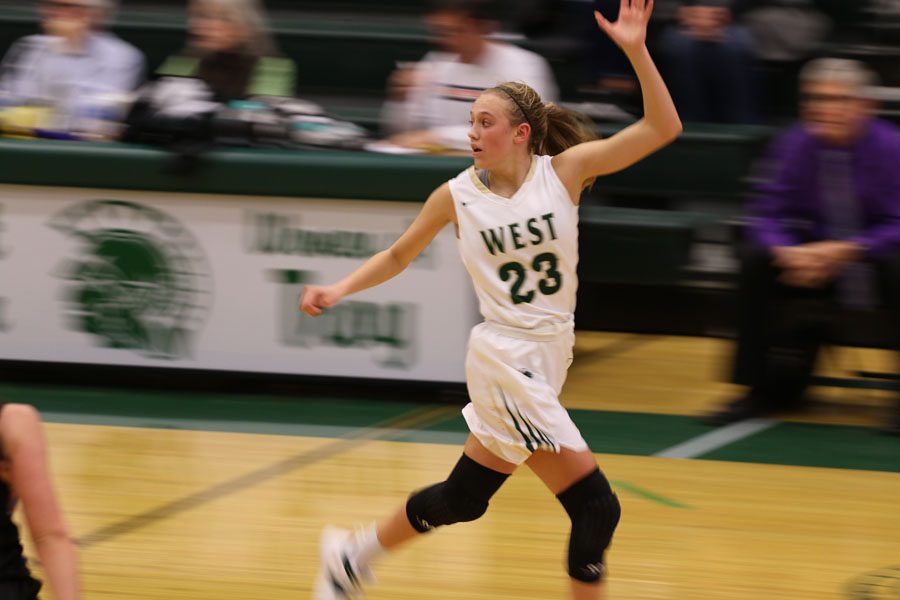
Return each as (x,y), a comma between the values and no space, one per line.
(516,236)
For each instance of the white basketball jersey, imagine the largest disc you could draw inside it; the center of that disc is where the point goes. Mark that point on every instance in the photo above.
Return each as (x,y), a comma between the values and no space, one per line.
(521,252)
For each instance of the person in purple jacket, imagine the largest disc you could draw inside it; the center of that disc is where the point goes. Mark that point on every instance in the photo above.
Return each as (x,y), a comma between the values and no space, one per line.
(824,237)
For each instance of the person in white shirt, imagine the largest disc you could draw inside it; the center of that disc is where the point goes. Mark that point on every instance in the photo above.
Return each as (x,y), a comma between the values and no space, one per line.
(73,61)
(516,216)
(428,103)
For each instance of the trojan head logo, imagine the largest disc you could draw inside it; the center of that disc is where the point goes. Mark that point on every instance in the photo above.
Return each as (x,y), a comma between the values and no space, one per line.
(140,280)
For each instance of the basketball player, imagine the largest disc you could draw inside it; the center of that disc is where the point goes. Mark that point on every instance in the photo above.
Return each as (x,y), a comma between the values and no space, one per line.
(516,216)
(24,476)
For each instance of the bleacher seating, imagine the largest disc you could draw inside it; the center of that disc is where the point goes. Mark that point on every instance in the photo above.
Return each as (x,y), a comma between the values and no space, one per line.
(345,50)
(344,55)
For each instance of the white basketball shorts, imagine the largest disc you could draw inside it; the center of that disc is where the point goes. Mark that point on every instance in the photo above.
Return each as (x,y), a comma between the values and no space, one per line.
(514,385)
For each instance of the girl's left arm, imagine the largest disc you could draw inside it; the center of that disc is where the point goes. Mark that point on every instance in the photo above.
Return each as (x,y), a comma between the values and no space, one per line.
(660,124)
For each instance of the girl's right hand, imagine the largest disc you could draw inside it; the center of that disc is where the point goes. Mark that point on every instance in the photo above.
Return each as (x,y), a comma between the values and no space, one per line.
(317,297)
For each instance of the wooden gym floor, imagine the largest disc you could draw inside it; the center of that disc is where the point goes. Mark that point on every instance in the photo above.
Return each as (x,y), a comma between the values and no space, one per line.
(205,496)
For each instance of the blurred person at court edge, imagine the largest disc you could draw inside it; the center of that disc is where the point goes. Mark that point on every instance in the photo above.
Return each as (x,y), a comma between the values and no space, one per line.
(824,239)
(73,61)
(25,479)
(230,49)
(429,103)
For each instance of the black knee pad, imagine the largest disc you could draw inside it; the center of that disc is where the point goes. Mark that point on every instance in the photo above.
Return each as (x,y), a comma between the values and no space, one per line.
(594,510)
(463,497)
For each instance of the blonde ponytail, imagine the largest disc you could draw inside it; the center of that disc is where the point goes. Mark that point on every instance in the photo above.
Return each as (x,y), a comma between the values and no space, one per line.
(565,128)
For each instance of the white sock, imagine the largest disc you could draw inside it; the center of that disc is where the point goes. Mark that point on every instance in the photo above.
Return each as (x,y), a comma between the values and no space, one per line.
(366,547)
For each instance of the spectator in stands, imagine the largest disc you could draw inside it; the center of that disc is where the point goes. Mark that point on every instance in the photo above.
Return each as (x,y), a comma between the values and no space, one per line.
(787,33)
(429,103)
(72,63)
(708,59)
(824,235)
(230,49)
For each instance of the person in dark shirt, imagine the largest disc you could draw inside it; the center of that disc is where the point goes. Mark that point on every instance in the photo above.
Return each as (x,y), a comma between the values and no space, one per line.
(230,49)
(709,58)
(25,478)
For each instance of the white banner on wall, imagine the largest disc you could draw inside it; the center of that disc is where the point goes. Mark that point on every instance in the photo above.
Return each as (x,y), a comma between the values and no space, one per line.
(212,282)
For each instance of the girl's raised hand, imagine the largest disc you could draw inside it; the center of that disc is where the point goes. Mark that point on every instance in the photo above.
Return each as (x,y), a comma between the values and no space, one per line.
(629,32)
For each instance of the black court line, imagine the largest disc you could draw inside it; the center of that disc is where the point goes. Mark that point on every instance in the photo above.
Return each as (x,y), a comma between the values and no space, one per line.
(612,349)
(384,430)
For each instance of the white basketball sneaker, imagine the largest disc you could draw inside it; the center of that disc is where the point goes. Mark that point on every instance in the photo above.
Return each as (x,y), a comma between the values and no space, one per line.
(339,577)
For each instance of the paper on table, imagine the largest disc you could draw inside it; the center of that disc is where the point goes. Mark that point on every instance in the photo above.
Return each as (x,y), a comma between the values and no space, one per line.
(389,148)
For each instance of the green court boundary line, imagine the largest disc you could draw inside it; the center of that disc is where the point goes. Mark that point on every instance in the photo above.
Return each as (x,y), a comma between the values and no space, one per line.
(648,495)
(764,447)
(846,447)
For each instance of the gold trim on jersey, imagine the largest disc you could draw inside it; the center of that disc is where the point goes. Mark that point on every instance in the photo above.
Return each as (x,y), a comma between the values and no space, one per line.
(484,189)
